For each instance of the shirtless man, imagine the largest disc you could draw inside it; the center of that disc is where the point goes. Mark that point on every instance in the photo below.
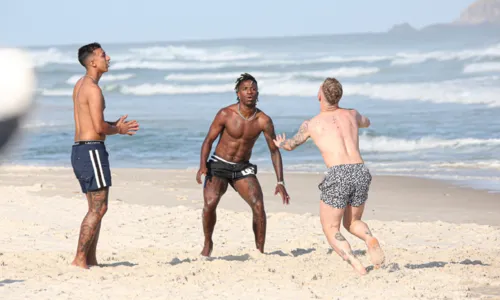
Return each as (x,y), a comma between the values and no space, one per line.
(89,157)
(344,189)
(238,125)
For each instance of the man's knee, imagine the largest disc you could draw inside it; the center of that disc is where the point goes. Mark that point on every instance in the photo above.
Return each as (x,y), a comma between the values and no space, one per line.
(103,210)
(99,201)
(211,202)
(258,206)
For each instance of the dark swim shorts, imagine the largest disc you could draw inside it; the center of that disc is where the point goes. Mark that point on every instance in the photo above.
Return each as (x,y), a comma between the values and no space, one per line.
(91,165)
(231,171)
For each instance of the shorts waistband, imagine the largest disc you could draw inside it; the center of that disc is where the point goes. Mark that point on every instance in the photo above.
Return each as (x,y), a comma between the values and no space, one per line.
(88,143)
(344,166)
(214,156)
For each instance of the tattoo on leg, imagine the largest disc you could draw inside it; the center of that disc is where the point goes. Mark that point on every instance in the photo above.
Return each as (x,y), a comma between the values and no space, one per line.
(86,233)
(346,256)
(368,232)
(340,237)
(91,221)
(98,199)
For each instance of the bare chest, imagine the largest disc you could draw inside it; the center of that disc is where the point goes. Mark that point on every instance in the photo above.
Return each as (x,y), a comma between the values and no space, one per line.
(238,128)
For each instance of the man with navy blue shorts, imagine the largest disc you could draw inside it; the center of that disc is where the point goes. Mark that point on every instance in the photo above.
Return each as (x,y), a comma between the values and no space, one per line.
(89,157)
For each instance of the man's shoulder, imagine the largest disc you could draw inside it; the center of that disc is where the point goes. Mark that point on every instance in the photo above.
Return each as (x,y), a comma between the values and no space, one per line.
(263,116)
(226,110)
(90,89)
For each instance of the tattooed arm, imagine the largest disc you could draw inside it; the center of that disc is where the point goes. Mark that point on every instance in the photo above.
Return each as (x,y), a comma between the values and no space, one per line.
(297,140)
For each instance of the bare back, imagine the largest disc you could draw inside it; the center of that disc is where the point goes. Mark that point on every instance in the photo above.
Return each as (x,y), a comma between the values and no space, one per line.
(335,133)
(84,128)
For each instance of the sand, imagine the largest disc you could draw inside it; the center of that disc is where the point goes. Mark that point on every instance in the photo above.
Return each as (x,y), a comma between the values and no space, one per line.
(441,241)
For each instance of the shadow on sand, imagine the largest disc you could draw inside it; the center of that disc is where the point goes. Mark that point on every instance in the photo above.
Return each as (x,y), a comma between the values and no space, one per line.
(118,264)
(9,281)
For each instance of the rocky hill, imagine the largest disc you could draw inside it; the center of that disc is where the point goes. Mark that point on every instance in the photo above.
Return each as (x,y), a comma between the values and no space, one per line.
(481,12)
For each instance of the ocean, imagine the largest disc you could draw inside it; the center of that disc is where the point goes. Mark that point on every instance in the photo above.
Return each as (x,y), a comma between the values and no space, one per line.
(433,99)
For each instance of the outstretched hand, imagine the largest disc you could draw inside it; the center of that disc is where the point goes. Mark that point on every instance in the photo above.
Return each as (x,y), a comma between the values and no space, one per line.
(127,127)
(279,140)
(284,194)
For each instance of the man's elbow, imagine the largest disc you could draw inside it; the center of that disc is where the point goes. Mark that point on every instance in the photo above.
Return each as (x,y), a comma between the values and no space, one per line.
(207,143)
(99,129)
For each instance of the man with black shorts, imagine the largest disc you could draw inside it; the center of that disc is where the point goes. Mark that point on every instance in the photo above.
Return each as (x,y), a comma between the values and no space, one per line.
(238,126)
(89,157)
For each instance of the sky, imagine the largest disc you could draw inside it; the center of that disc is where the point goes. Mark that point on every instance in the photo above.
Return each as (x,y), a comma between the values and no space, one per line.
(56,22)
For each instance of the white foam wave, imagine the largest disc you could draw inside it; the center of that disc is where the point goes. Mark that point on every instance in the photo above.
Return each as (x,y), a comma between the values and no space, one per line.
(482,67)
(177,65)
(105,78)
(55,92)
(480,90)
(42,58)
(196,54)
(340,72)
(467,91)
(162,65)
(217,76)
(168,89)
(489,164)
(388,144)
(416,58)
(182,57)
(40,124)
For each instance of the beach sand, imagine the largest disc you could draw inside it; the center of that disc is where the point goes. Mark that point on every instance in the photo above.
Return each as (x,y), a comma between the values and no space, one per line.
(441,241)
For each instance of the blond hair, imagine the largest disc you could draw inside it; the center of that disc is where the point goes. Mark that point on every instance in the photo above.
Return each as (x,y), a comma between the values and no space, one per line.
(332,89)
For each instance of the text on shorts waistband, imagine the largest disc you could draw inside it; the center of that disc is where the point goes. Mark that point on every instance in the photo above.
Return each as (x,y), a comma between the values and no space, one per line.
(88,143)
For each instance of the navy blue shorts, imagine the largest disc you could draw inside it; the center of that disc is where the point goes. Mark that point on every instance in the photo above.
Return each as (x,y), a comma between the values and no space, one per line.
(91,165)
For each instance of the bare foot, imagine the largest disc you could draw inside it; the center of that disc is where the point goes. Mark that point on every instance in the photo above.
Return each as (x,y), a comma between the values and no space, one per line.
(81,263)
(376,254)
(358,267)
(207,249)
(356,264)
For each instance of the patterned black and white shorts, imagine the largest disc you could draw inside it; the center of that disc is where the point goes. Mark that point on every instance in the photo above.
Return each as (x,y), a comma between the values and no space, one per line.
(346,184)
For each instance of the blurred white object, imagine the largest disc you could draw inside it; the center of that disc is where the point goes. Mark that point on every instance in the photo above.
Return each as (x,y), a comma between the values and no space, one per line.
(17,90)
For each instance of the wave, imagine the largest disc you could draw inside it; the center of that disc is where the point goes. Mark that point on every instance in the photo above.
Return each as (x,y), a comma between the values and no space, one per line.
(143,57)
(340,72)
(105,78)
(195,54)
(403,58)
(52,55)
(488,164)
(32,125)
(389,144)
(168,89)
(480,90)
(55,92)
(183,57)
(482,67)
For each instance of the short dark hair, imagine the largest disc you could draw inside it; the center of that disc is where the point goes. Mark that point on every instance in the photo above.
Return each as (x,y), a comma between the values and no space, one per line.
(243,77)
(85,51)
(332,90)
